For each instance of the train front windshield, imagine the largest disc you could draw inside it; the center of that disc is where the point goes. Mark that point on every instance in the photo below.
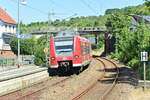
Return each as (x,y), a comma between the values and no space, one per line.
(64,46)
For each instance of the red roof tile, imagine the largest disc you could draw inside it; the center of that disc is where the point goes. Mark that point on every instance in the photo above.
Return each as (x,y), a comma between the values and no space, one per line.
(7,53)
(5,17)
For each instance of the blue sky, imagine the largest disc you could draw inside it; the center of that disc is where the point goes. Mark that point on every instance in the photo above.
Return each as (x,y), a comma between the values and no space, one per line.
(37,10)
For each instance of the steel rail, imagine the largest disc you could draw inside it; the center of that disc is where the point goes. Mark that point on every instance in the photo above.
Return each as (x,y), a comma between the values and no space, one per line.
(114,82)
(97,81)
(93,85)
(44,88)
(36,91)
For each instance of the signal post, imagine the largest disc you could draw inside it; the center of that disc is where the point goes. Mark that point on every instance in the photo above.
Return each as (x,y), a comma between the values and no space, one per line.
(144,58)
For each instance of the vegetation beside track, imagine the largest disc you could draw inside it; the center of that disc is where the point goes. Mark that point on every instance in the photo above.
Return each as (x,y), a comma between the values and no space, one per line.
(129,42)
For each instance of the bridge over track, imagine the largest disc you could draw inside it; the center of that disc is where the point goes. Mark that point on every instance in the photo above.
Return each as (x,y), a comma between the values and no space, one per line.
(82,30)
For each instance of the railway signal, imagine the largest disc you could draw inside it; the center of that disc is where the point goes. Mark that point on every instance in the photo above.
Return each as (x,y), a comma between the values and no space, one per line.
(144,56)
(46,50)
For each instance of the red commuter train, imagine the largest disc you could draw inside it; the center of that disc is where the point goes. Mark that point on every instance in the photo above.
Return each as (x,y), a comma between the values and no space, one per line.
(69,52)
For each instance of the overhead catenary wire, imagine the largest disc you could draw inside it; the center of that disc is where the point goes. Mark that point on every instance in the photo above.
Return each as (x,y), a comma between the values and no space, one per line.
(60,6)
(86,4)
(68,17)
(97,5)
(94,11)
(36,9)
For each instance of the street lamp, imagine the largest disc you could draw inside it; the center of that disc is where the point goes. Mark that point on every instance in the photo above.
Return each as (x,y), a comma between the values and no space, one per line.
(18,32)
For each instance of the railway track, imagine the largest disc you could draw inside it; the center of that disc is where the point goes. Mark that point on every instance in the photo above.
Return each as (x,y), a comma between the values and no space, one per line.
(105,90)
(33,91)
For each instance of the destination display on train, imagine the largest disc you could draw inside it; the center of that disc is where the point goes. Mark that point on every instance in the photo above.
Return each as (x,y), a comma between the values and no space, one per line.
(63,39)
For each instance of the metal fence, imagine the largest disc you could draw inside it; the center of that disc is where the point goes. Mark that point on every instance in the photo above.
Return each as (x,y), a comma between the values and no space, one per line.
(8,61)
(12,61)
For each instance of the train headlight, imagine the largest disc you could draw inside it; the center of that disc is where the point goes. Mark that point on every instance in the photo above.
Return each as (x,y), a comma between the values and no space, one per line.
(76,56)
(53,58)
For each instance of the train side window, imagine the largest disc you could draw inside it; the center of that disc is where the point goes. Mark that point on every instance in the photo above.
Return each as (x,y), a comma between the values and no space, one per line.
(88,50)
(82,50)
(85,49)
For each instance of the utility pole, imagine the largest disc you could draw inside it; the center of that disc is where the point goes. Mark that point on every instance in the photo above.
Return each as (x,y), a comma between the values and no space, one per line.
(48,40)
(18,35)
(116,40)
(18,31)
(116,47)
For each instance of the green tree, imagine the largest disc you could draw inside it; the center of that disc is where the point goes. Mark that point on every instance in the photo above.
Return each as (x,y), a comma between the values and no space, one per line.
(40,56)
(130,43)
(26,46)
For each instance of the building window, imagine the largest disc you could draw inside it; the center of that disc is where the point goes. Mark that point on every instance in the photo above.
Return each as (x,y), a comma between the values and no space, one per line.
(10,28)
(7,40)
(14,29)
(5,28)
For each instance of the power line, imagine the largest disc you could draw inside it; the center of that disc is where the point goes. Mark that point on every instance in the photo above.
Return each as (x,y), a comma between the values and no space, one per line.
(38,10)
(86,4)
(59,5)
(71,16)
(68,17)
(99,5)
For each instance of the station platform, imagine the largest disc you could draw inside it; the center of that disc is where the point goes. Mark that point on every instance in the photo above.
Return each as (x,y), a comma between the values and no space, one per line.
(19,78)
(18,72)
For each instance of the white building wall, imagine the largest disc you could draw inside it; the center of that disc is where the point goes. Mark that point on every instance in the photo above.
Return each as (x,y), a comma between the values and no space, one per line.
(15,30)
(1,31)
(11,29)
(4,29)
(1,44)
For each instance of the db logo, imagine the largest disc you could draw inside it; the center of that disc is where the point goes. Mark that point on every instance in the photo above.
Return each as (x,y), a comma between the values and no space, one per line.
(64,58)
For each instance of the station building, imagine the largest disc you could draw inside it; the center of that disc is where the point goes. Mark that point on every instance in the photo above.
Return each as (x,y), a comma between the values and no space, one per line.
(7,31)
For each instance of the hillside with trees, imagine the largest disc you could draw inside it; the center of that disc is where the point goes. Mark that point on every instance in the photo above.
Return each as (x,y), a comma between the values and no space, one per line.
(72,22)
(137,10)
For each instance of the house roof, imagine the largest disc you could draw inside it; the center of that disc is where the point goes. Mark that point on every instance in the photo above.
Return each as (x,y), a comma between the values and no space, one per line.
(138,18)
(4,17)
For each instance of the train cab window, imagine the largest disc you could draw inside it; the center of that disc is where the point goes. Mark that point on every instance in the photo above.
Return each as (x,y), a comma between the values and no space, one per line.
(64,46)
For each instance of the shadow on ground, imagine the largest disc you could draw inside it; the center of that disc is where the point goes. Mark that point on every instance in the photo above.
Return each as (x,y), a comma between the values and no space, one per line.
(61,73)
(126,75)
(101,55)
